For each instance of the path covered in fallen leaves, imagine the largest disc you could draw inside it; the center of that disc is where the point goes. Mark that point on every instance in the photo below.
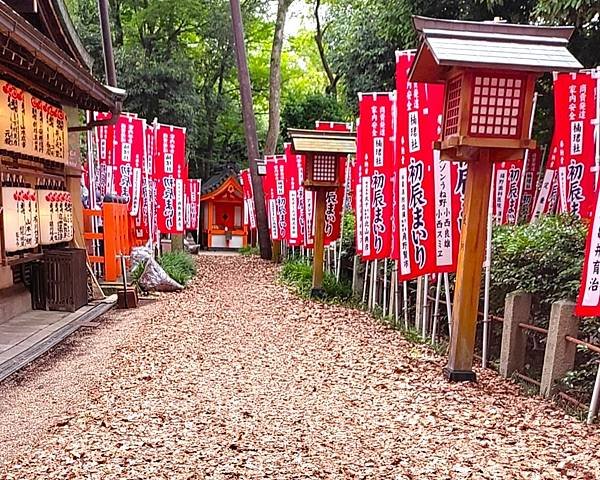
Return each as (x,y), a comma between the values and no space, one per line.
(236,378)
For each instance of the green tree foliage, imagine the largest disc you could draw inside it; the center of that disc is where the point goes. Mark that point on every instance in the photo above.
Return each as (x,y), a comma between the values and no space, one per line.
(175,59)
(303,110)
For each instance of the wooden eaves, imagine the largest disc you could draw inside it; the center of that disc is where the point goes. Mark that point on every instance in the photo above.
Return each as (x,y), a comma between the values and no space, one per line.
(319,141)
(34,62)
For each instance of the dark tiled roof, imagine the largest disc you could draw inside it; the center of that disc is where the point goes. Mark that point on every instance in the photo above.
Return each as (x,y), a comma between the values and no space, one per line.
(214,182)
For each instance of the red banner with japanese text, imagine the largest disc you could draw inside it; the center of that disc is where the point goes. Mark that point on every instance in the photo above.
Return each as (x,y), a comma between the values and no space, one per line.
(192,203)
(294,179)
(546,198)
(376,131)
(430,192)
(105,137)
(170,173)
(506,187)
(588,301)
(573,142)
(275,197)
(246,182)
(334,200)
(529,183)
(129,157)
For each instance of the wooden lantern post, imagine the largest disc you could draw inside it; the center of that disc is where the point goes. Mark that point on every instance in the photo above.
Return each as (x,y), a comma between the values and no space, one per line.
(325,152)
(489,70)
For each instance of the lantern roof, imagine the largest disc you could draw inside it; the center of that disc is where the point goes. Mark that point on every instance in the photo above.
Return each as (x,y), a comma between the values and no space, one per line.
(322,141)
(489,45)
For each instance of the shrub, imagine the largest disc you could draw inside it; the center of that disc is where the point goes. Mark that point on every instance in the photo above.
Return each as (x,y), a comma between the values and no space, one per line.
(249,250)
(297,274)
(544,259)
(180,266)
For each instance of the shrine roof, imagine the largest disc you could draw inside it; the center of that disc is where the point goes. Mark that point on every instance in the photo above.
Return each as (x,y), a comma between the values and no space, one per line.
(213,183)
(447,43)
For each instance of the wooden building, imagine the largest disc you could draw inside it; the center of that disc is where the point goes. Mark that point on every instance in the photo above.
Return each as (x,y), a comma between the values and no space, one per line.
(46,86)
(222,204)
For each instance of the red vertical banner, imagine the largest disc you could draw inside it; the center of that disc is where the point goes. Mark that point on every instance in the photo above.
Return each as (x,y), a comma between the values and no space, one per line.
(377,157)
(104,137)
(430,191)
(588,301)
(357,181)
(249,215)
(530,184)
(294,178)
(507,184)
(573,141)
(129,157)
(334,200)
(146,219)
(170,175)
(546,198)
(192,203)
(275,197)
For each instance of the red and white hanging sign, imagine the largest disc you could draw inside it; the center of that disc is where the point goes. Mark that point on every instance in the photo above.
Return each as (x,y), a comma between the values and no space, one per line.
(105,138)
(192,203)
(56,216)
(334,200)
(20,213)
(248,192)
(588,301)
(430,192)
(294,172)
(507,184)
(170,175)
(529,184)
(376,133)
(575,113)
(129,157)
(275,197)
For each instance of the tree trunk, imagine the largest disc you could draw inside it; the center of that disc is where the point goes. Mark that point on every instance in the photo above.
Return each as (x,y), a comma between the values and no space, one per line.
(250,129)
(331,77)
(275,77)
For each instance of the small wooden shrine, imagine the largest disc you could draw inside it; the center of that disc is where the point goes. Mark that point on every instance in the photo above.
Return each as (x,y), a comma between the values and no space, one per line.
(222,202)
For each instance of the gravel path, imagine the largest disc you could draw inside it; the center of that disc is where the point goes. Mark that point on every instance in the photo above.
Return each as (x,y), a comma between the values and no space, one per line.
(237,379)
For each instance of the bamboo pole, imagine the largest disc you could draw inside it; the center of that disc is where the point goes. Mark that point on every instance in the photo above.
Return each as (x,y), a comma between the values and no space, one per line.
(385,268)
(419,304)
(487,278)
(396,296)
(448,303)
(393,288)
(375,283)
(366,276)
(436,308)
(354,272)
(405,302)
(593,412)
(424,321)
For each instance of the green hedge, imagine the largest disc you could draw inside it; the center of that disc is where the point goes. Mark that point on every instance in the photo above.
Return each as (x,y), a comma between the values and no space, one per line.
(544,259)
